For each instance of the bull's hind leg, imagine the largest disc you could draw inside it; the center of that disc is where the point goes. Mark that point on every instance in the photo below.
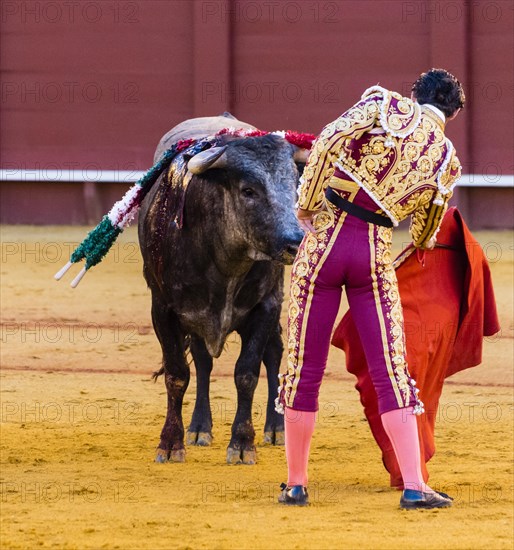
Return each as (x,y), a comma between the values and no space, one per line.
(254,337)
(200,429)
(274,425)
(176,378)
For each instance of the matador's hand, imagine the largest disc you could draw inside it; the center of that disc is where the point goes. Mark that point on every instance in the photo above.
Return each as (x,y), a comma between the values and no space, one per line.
(305,219)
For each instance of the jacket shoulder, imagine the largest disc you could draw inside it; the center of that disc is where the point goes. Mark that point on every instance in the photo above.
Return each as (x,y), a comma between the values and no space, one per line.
(399,116)
(374,92)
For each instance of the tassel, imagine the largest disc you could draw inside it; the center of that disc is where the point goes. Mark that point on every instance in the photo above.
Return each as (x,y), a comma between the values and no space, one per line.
(97,243)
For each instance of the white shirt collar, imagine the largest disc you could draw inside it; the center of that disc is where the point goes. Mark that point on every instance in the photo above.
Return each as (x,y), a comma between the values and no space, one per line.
(437,111)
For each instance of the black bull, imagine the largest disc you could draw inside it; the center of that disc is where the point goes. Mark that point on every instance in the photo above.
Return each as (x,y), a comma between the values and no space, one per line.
(214,256)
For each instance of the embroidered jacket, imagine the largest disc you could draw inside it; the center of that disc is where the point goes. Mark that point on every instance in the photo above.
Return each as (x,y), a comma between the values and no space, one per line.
(394,149)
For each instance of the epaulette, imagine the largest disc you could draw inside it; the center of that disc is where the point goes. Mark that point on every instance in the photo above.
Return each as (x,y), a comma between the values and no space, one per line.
(399,116)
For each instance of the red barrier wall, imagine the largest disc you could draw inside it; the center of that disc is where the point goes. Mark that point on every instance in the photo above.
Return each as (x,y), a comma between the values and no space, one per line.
(93,85)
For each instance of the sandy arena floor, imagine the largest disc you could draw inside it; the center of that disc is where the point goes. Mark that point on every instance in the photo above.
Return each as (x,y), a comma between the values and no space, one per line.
(80,420)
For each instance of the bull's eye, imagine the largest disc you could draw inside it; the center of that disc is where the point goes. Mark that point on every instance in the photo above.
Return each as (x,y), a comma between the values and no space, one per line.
(248,192)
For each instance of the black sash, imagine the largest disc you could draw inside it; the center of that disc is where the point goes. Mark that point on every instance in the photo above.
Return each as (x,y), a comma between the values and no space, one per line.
(357,211)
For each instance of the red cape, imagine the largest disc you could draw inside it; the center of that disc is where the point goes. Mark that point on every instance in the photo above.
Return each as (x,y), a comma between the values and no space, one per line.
(448,304)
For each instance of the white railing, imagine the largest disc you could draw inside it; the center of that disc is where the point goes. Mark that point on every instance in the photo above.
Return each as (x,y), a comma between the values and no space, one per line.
(131,176)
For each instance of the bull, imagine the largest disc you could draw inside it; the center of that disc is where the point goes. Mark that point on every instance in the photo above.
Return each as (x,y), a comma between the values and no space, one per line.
(215,233)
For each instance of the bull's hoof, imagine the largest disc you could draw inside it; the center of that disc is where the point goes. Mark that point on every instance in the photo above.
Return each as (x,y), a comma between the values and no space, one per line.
(177,455)
(202,439)
(241,456)
(162,456)
(280,438)
(274,438)
(249,456)
(233,456)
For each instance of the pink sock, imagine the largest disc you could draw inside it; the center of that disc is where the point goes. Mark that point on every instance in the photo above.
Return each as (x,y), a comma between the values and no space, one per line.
(299,427)
(402,429)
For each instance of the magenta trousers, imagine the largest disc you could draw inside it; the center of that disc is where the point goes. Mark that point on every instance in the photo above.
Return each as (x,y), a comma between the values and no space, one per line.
(345,252)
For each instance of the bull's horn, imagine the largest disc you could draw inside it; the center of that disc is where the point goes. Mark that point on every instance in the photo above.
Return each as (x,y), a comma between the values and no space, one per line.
(300,155)
(212,158)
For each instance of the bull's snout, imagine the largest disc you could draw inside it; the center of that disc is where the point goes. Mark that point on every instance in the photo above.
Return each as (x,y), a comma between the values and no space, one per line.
(291,243)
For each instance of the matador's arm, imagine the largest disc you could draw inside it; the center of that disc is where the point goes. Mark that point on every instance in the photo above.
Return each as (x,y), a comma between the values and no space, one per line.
(426,220)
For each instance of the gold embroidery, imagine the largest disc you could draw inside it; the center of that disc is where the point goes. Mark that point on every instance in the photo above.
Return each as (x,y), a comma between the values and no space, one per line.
(423,150)
(309,261)
(333,138)
(400,118)
(374,277)
(389,295)
(437,119)
(323,220)
(429,210)
(403,106)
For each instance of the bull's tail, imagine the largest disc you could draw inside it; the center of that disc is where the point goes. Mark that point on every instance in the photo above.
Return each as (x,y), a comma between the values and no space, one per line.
(157,373)
(187,355)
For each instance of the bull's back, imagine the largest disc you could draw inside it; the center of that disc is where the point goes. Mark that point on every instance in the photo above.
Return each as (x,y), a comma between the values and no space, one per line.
(194,128)
(199,128)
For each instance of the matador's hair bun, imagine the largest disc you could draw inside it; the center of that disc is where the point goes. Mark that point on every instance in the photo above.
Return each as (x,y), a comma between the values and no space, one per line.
(441,89)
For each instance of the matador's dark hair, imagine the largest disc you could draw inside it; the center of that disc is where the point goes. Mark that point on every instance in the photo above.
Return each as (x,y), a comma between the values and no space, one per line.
(441,89)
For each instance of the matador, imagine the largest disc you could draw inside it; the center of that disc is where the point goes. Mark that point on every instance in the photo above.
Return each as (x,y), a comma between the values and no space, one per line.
(384,159)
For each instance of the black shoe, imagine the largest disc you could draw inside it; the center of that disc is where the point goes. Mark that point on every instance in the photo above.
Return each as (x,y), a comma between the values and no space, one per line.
(296,495)
(412,500)
(444,495)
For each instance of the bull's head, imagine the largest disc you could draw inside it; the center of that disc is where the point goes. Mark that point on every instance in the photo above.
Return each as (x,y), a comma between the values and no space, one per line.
(260,177)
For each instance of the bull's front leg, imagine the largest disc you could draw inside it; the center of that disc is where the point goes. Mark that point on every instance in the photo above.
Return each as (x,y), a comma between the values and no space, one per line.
(274,425)
(254,337)
(176,378)
(200,429)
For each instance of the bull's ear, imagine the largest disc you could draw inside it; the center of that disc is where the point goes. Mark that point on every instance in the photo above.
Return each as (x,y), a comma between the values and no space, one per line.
(212,158)
(300,155)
